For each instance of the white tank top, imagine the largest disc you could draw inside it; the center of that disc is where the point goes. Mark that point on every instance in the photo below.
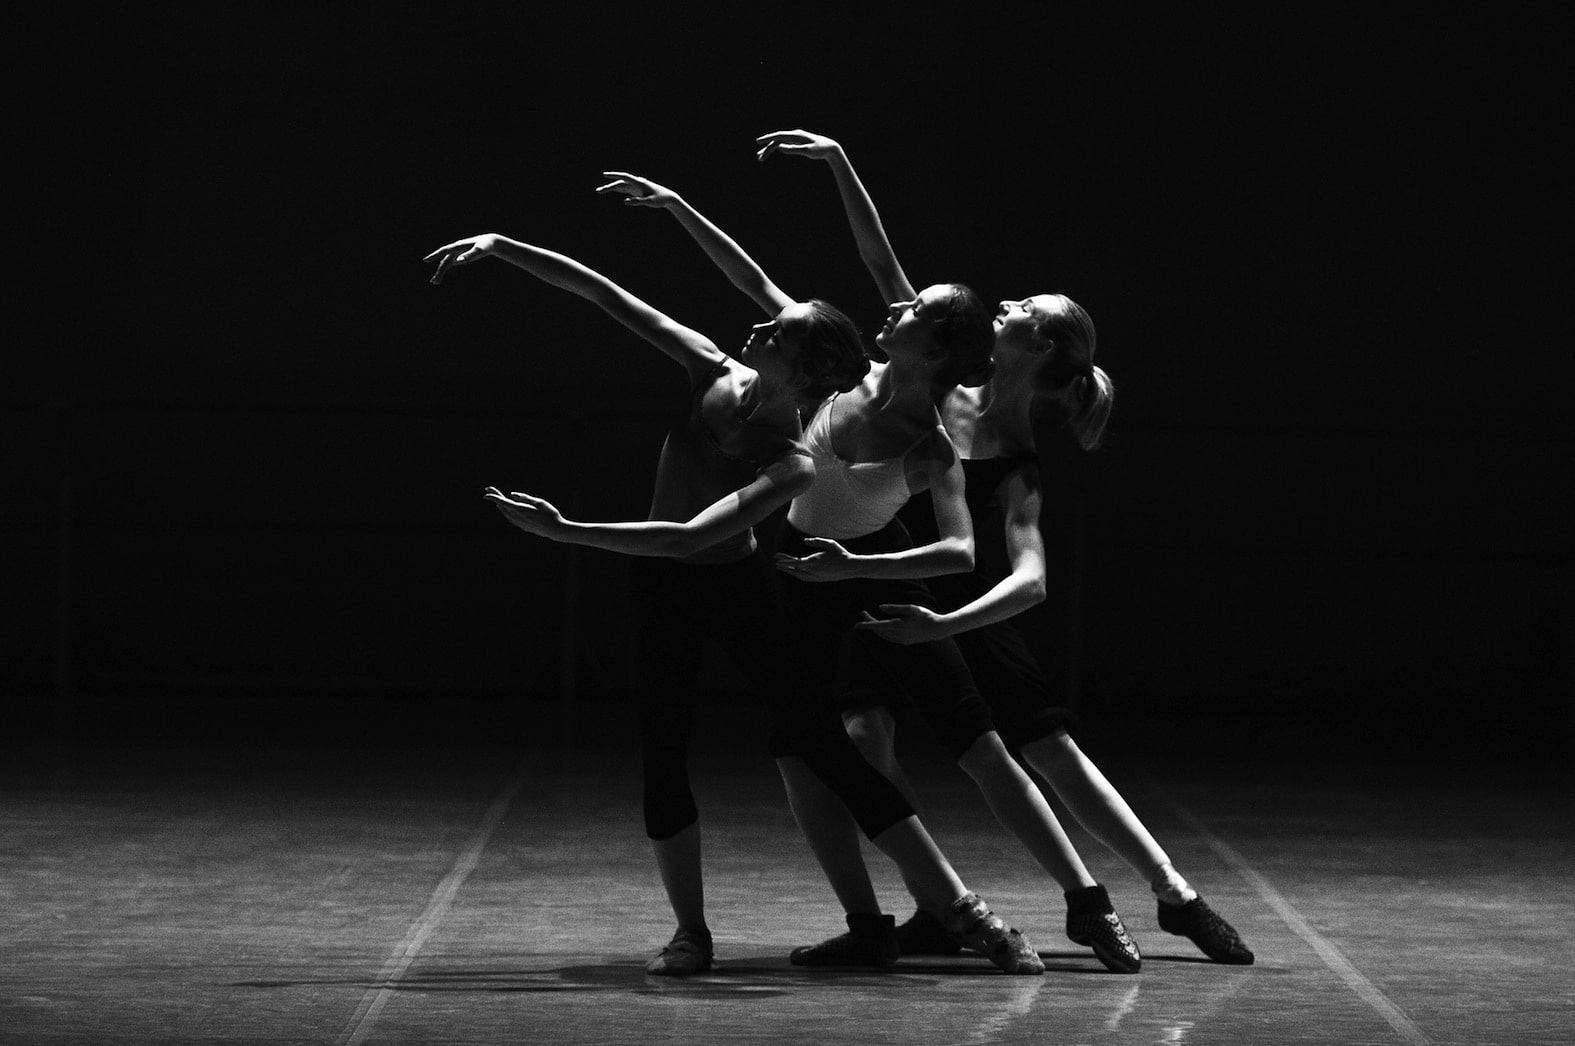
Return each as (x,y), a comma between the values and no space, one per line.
(848,498)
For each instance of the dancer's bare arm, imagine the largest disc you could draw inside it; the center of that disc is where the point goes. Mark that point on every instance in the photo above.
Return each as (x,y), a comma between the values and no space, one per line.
(775,486)
(694,350)
(1022,588)
(868,232)
(735,263)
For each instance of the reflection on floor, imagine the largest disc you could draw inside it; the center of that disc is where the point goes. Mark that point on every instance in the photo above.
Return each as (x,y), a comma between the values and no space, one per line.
(411,896)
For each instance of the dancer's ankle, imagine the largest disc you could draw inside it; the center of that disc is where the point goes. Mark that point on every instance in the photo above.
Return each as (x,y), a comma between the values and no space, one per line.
(1171,887)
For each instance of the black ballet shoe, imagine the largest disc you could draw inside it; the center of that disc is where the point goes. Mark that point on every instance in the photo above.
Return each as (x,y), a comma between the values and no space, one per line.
(687,954)
(871,940)
(976,927)
(1091,921)
(923,934)
(1200,924)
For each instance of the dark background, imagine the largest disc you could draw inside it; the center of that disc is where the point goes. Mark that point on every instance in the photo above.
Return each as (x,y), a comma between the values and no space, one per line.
(244,441)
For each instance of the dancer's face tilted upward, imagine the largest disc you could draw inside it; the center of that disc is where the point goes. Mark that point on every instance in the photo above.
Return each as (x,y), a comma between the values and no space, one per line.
(909,327)
(773,347)
(1048,335)
(1017,323)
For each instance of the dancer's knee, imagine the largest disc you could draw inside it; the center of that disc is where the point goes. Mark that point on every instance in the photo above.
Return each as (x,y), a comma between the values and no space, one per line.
(667,815)
(986,759)
(873,732)
(1051,751)
(668,801)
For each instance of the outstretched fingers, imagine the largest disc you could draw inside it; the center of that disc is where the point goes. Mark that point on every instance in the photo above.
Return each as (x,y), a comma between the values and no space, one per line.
(791,143)
(517,498)
(639,192)
(445,262)
(825,545)
(460,252)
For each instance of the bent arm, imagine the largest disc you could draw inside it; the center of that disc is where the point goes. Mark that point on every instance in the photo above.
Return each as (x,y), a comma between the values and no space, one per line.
(1024,587)
(773,487)
(952,551)
(695,351)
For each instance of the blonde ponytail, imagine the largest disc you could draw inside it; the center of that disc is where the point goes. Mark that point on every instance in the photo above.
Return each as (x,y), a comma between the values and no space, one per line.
(1071,330)
(1095,399)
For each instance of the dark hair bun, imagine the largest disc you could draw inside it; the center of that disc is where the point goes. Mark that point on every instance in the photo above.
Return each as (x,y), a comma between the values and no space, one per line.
(978,376)
(831,355)
(966,331)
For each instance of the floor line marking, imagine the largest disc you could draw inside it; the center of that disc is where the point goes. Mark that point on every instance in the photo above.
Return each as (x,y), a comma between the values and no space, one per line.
(1324,948)
(365,1017)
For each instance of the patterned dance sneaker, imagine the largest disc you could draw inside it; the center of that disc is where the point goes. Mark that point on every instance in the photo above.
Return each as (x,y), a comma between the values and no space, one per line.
(974,926)
(1091,921)
(871,940)
(687,954)
(1200,924)
(923,934)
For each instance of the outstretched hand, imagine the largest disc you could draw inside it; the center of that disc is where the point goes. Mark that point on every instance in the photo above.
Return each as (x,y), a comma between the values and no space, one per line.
(831,563)
(637,191)
(531,514)
(904,624)
(461,252)
(795,143)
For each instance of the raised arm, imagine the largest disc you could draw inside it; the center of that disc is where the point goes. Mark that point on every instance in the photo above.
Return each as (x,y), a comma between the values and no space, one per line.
(695,351)
(1024,587)
(775,485)
(868,232)
(722,249)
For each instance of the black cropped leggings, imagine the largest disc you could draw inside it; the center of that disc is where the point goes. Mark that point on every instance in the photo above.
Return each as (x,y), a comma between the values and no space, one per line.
(677,607)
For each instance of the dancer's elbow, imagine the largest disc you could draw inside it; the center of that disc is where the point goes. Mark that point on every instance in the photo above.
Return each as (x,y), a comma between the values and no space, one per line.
(958,557)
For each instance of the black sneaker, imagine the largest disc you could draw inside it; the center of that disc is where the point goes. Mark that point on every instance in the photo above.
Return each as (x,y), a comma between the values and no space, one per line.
(871,940)
(687,954)
(923,934)
(1200,924)
(1091,921)
(976,927)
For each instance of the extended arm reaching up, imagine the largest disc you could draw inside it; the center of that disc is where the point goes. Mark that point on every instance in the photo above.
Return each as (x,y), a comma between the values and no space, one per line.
(698,354)
(722,249)
(870,235)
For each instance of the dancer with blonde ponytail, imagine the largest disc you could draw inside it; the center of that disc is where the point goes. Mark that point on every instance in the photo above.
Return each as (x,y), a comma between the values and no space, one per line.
(1044,378)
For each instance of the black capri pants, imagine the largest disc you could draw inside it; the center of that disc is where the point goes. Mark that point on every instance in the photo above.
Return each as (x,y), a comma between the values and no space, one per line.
(1020,697)
(863,670)
(677,606)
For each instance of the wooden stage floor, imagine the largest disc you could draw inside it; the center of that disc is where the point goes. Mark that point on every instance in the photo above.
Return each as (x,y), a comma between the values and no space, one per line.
(320,895)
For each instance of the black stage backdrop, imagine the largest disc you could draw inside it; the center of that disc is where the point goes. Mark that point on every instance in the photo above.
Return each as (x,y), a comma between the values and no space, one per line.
(244,441)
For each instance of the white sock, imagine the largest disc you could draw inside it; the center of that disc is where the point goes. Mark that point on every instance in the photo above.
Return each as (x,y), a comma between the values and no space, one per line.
(1171,887)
